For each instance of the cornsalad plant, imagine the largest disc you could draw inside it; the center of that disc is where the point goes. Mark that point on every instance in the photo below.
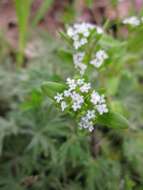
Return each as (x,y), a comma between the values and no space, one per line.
(78,97)
(66,135)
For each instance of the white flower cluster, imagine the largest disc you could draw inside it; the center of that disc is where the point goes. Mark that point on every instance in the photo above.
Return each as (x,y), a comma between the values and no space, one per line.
(80,32)
(78,62)
(133,21)
(99,102)
(80,98)
(100,57)
(86,121)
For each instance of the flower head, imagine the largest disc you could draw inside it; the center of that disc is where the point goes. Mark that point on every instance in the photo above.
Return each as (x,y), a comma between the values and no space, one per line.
(58,97)
(101,55)
(84,102)
(77,101)
(95,97)
(67,93)
(85,87)
(91,114)
(71,83)
(102,108)
(86,124)
(63,105)
(80,33)
(78,62)
(133,21)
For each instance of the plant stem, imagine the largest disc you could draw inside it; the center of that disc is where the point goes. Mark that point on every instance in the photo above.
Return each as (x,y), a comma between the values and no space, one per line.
(95,144)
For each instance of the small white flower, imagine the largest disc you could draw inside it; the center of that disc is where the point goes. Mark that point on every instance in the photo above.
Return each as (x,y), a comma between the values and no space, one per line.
(82,68)
(101,55)
(95,98)
(85,124)
(77,44)
(76,106)
(70,32)
(67,93)
(86,33)
(90,114)
(77,100)
(58,97)
(86,87)
(63,105)
(102,108)
(77,96)
(80,82)
(133,20)
(83,41)
(78,58)
(99,30)
(96,62)
(84,28)
(71,83)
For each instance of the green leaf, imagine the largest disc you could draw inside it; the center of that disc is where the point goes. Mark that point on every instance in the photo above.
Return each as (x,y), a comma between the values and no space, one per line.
(51,88)
(112,85)
(65,55)
(113,120)
(33,100)
(109,42)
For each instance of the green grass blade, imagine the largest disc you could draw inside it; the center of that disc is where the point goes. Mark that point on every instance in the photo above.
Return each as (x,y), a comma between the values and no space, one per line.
(43,9)
(22,12)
